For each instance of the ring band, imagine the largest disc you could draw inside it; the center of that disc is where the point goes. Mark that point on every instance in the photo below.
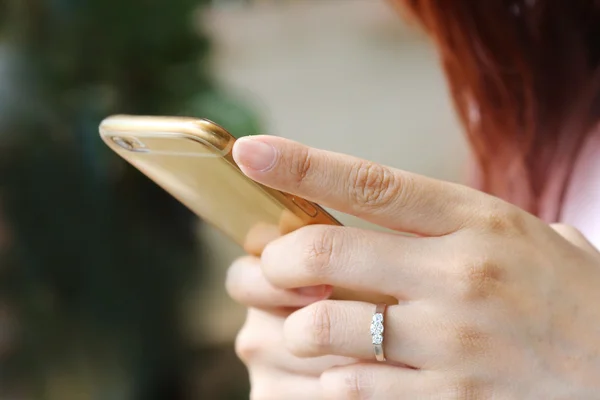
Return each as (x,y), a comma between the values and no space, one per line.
(377,331)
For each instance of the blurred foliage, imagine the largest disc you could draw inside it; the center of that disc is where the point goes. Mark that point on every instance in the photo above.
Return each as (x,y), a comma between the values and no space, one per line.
(96,259)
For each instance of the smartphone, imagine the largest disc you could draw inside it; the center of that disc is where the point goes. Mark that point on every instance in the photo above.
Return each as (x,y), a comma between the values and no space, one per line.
(191,159)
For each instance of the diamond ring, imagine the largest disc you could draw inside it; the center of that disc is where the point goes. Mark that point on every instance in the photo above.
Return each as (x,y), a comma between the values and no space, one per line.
(377,331)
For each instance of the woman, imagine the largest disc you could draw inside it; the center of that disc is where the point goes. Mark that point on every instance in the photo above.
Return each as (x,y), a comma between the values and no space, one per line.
(493,301)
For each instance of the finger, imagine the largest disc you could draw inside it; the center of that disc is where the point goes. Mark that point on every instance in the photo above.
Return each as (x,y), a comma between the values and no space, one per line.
(259,236)
(247,285)
(414,334)
(388,197)
(380,381)
(574,236)
(274,384)
(361,260)
(262,233)
(260,343)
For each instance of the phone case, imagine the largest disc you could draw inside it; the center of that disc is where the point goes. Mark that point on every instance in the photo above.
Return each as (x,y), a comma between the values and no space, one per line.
(191,159)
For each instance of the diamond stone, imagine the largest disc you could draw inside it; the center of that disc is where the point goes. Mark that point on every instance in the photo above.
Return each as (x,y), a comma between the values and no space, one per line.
(376,328)
(378,317)
(377,339)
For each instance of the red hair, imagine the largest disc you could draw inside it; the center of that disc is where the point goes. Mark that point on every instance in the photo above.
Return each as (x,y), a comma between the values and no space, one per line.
(525,80)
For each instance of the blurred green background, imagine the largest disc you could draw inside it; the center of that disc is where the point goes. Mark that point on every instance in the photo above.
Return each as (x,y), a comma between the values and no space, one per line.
(111,290)
(96,260)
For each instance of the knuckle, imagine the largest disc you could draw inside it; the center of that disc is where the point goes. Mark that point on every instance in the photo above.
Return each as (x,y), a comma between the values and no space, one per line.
(479,279)
(469,341)
(323,244)
(300,164)
(319,329)
(359,384)
(374,185)
(468,388)
(354,384)
(505,220)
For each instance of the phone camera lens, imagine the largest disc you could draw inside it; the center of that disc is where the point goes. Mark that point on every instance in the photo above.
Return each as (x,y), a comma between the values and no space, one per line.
(124,143)
(128,144)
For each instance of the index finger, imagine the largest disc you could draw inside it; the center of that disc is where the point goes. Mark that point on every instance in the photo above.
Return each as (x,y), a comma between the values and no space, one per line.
(385,196)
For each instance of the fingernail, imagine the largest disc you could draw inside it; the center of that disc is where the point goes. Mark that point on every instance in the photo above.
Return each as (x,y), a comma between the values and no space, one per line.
(254,154)
(314,291)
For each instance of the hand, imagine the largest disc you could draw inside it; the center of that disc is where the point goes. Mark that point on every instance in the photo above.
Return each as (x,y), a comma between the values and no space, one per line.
(494,303)
(275,373)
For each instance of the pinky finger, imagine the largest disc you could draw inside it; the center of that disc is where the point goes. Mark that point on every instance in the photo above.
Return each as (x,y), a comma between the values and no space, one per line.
(277,385)
(383,381)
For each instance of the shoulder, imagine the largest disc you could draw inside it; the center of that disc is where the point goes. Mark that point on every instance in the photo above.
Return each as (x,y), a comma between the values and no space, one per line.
(582,203)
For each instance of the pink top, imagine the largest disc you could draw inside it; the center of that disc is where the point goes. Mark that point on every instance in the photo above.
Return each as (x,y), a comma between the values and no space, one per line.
(582,203)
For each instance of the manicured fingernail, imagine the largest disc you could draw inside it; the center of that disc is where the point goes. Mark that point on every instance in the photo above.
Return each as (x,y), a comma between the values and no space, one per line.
(254,154)
(314,291)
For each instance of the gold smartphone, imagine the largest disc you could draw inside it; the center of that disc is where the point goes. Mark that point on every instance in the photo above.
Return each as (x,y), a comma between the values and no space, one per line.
(191,159)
